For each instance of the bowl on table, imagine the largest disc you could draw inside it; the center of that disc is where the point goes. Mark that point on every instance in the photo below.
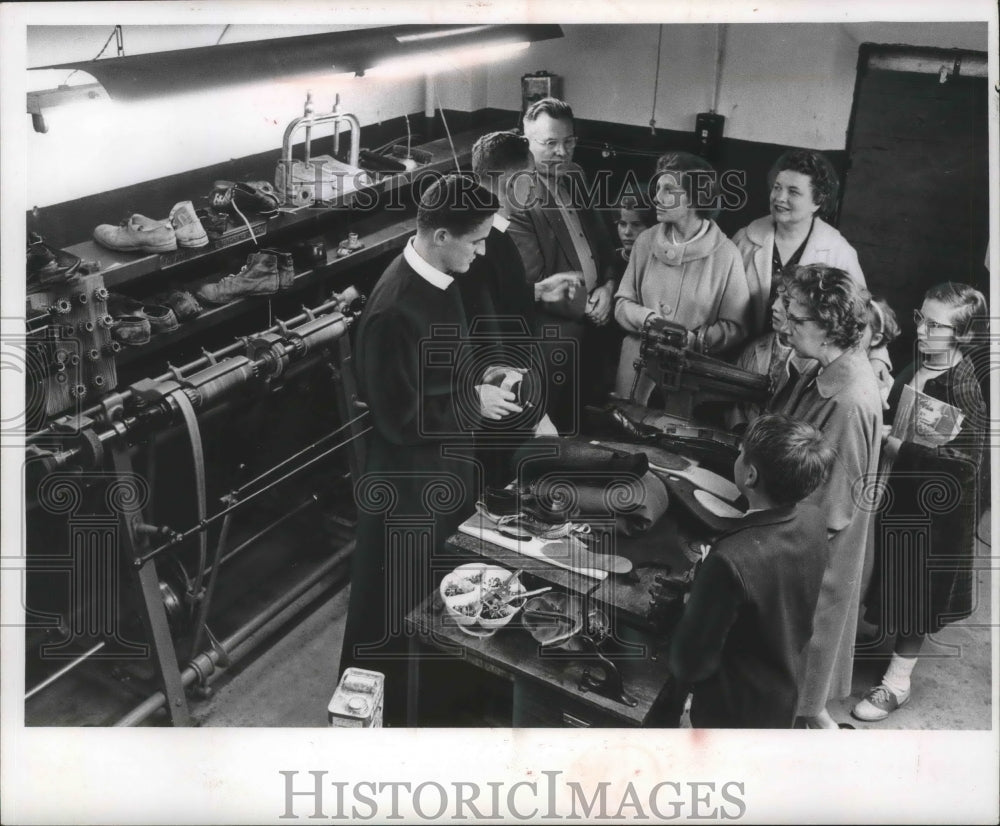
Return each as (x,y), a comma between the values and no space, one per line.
(475,597)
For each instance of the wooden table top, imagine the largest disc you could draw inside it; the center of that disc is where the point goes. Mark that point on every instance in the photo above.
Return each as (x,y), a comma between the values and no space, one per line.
(513,653)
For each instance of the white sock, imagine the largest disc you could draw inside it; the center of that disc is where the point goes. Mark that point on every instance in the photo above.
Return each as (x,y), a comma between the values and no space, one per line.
(897,675)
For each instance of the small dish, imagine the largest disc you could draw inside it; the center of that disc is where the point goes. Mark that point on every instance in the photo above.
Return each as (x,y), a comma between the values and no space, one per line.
(469,589)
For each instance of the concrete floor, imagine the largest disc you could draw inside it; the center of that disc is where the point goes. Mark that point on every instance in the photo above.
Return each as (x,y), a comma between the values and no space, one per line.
(290,684)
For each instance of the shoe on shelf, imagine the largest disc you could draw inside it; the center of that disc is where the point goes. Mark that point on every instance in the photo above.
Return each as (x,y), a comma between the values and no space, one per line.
(184,305)
(239,198)
(161,318)
(878,703)
(133,330)
(137,234)
(122,305)
(286,268)
(215,224)
(259,276)
(48,266)
(187,226)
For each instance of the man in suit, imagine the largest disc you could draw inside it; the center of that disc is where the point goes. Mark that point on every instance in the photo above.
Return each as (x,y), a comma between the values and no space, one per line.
(420,477)
(500,299)
(742,638)
(558,232)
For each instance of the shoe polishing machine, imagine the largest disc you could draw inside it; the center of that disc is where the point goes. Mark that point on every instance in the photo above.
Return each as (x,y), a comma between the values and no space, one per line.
(323,177)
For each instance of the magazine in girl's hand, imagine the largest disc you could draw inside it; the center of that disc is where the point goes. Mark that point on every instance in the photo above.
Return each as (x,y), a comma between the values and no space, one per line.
(925,420)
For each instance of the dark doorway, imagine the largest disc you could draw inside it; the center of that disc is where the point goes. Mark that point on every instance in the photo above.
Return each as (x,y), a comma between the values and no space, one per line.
(916,197)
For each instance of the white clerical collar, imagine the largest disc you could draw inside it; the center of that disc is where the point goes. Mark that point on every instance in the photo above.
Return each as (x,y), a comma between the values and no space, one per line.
(500,223)
(431,275)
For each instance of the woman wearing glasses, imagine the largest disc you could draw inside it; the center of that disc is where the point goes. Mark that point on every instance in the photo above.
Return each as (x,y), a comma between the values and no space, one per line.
(925,580)
(803,192)
(826,312)
(684,270)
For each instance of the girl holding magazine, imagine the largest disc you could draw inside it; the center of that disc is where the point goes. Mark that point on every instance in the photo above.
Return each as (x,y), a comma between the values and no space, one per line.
(925,538)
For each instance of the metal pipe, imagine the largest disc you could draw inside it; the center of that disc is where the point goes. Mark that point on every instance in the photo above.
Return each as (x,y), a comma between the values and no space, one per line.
(291,602)
(64,670)
(294,456)
(205,603)
(180,537)
(281,520)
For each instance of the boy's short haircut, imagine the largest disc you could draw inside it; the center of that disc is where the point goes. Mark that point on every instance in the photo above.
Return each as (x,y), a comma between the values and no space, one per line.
(791,456)
(455,203)
(499,152)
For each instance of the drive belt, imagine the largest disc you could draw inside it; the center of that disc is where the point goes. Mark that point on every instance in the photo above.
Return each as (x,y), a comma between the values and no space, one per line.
(179,397)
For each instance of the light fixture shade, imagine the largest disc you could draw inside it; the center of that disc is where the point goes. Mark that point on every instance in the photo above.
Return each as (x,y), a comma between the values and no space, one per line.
(163,73)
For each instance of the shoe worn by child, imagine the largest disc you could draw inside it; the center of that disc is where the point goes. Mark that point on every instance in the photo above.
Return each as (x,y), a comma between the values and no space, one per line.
(878,703)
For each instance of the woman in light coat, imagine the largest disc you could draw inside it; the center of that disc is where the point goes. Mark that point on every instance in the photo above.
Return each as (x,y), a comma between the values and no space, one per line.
(804,189)
(826,313)
(683,270)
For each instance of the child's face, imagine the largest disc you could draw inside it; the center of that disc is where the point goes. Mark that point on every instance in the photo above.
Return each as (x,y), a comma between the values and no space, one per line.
(630,224)
(936,330)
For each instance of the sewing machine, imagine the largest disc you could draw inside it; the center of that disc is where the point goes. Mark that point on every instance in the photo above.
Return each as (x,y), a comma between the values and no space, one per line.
(687,378)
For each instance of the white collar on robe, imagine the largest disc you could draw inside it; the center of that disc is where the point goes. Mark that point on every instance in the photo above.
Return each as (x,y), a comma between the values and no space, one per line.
(432,275)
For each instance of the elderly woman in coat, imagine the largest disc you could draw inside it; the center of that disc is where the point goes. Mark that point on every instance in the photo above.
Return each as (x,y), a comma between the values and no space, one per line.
(683,270)
(803,192)
(826,312)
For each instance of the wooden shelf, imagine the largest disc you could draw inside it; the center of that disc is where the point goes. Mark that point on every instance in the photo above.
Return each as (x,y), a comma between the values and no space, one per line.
(122,268)
(388,239)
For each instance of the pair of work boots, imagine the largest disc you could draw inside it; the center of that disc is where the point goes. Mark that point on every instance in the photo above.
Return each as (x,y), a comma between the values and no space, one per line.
(265,273)
(182,228)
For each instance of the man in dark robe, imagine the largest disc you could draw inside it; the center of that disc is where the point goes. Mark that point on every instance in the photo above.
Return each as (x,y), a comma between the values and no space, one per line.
(420,479)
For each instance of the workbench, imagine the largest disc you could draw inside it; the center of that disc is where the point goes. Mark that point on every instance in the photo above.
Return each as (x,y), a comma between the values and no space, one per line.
(547,682)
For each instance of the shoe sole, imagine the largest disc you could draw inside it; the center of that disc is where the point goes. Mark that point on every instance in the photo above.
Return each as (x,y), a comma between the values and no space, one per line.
(883,717)
(222,301)
(150,249)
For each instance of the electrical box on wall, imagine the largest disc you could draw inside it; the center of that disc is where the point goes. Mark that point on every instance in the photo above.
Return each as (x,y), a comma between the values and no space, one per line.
(708,128)
(538,85)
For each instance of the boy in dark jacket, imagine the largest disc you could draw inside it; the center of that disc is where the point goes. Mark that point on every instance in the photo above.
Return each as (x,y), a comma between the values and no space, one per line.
(749,617)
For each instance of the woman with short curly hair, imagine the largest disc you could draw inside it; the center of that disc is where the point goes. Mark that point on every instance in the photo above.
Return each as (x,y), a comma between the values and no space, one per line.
(803,196)
(826,313)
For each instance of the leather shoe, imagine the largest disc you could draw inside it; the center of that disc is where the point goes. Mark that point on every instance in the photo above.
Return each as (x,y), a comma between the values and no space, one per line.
(137,234)
(48,266)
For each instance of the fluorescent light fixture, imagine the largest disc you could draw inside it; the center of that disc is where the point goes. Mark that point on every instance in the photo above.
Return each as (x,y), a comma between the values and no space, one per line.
(182,70)
(438,35)
(445,60)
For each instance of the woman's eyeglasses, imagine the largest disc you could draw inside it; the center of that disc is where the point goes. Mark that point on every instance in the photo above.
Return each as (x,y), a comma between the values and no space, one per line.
(931,325)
